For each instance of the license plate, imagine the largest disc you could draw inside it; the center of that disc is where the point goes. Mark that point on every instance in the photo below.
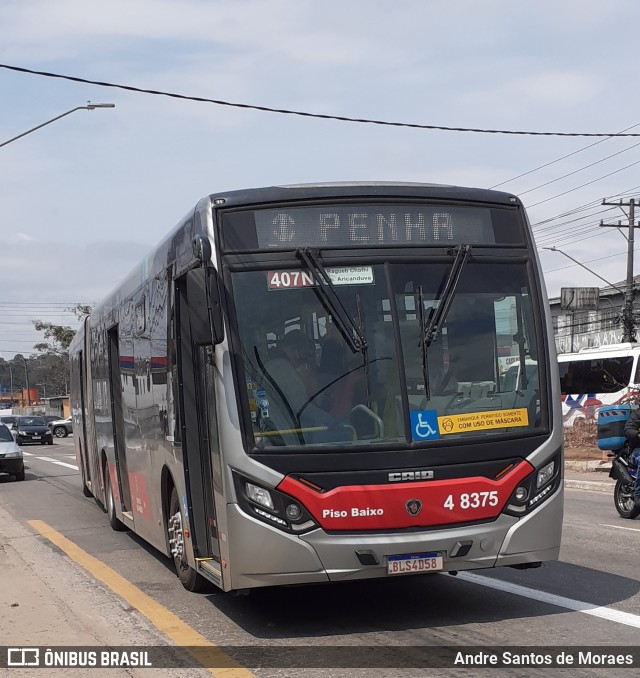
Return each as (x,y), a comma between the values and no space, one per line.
(36,437)
(413,563)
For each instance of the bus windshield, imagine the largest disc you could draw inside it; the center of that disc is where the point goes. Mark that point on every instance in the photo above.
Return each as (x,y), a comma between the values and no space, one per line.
(308,383)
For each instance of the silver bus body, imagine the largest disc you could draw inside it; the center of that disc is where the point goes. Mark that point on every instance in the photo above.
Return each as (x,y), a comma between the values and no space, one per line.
(159,412)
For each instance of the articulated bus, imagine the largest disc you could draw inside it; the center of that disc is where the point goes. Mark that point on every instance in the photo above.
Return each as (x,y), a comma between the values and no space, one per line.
(307,384)
(592,377)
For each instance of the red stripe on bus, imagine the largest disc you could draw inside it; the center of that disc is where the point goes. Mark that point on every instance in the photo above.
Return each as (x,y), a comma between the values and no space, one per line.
(401,505)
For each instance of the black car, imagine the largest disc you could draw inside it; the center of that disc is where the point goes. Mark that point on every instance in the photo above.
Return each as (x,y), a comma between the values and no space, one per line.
(32,430)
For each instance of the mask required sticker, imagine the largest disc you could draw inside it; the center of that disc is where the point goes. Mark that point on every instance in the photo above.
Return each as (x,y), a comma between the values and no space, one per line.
(476,421)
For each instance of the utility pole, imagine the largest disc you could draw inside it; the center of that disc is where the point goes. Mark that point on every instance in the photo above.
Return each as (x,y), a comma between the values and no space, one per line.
(26,376)
(627,313)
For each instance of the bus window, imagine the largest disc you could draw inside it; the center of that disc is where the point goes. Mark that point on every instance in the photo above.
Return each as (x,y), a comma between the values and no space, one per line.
(345,391)
(591,375)
(460,371)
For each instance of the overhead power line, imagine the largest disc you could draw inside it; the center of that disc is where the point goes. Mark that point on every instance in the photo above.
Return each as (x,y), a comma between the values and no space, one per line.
(553,197)
(586,206)
(580,169)
(553,162)
(307,114)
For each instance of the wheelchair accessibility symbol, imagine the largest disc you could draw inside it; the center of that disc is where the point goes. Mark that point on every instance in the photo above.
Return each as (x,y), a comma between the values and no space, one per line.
(424,425)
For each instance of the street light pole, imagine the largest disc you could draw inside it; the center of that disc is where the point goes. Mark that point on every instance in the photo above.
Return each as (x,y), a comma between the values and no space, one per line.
(555,249)
(627,335)
(26,376)
(88,107)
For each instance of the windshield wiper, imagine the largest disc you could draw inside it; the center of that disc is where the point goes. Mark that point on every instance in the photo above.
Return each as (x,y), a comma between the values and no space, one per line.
(518,337)
(331,301)
(437,318)
(423,345)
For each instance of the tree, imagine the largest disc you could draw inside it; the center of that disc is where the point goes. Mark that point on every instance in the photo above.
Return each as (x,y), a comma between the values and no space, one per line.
(52,362)
(12,374)
(58,338)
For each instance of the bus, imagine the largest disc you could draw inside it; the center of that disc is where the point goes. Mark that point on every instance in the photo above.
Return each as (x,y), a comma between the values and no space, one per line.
(591,377)
(305,384)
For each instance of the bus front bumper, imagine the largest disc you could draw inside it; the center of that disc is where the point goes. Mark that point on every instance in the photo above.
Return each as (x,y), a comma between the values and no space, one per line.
(266,556)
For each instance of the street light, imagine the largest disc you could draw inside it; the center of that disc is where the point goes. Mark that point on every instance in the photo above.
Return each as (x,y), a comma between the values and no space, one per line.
(88,107)
(628,324)
(555,249)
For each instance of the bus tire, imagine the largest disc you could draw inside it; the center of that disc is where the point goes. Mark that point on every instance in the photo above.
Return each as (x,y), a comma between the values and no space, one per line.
(111,504)
(85,490)
(189,578)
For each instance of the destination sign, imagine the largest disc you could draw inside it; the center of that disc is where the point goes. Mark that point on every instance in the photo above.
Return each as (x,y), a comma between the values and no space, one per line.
(370,225)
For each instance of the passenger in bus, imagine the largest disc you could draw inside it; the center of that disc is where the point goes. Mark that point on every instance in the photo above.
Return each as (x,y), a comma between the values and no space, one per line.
(631,433)
(341,382)
(291,377)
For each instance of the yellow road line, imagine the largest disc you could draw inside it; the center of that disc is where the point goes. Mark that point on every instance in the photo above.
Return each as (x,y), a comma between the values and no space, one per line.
(203,651)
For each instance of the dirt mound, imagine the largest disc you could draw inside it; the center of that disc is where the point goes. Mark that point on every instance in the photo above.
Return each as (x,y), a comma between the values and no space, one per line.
(581,441)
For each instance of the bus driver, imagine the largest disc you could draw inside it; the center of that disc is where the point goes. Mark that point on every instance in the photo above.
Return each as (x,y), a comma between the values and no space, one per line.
(292,374)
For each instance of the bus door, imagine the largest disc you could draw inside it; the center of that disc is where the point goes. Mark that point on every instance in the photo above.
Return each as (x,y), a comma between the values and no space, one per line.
(117,420)
(82,435)
(201,452)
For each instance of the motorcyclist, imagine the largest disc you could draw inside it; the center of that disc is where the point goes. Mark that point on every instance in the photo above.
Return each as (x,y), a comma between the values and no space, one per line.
(632,434)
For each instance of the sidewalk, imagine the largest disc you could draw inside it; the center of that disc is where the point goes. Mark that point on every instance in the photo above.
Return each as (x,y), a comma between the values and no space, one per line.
(588,475)
(47,601)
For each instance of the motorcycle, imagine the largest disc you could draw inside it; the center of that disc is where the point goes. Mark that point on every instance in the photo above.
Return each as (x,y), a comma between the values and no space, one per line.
(611,421)
(625,476)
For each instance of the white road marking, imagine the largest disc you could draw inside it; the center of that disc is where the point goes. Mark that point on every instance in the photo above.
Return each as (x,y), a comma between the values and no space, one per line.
(621,527)
(64,463)
(59,463)
(577,605)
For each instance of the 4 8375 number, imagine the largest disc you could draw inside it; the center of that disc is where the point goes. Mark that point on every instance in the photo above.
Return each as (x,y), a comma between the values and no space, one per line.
(472,500)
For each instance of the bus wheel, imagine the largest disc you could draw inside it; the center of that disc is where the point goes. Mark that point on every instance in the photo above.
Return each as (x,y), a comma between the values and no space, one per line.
(111,505)
(85,490)
(189,578)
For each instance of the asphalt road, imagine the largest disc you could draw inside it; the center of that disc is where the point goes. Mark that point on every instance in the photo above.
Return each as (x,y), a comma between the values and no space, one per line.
(590,598)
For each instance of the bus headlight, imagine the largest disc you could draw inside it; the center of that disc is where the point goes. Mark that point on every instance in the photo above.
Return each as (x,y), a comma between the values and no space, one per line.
(545,474)
(535,489)
(521,493)
(272,506)
(293,511)
(259,495)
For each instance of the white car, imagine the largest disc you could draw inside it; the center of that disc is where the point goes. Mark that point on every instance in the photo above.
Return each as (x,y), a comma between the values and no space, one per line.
(61,428)
(11,459)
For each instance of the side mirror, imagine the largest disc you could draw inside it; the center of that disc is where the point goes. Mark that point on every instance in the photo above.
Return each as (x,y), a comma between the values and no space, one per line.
(205,312)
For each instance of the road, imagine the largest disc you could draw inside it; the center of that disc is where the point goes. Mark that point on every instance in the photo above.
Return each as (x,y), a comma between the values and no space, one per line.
(590,598)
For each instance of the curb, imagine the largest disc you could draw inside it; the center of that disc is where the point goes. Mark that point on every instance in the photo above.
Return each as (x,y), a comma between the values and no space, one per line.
(588,466)
(589,485)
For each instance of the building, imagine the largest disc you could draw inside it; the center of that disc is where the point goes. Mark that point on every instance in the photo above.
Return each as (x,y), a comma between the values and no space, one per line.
(581,328)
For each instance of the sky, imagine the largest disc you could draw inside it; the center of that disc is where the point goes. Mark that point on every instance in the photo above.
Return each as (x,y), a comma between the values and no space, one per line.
(83,198)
